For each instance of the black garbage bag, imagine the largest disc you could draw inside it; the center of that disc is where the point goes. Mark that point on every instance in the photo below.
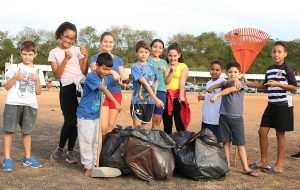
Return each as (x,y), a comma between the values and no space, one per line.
(113,153)
(149,154)
(199,156)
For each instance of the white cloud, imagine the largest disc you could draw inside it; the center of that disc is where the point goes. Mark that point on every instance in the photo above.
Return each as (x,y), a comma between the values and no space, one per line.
(165,17)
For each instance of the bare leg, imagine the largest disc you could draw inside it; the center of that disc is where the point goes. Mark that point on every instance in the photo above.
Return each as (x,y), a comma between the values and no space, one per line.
(104,120)
(264,145)
(226,146)
(7,141)
(156,120)
(27,145)
(243,157)
(113,114)
(280,151)
(88,173)
(136,122)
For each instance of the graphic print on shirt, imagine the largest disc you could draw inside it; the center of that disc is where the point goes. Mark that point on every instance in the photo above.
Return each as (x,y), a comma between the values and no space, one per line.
(142,94)
(26,85)
(96,103)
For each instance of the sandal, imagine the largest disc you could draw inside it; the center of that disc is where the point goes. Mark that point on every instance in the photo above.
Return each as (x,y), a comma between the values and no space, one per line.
(251,173)
(270,170)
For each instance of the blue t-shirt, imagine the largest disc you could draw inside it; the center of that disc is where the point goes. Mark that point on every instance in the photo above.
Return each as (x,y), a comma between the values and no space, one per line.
(140,95)
(89,105)
(161,77)
(112,85)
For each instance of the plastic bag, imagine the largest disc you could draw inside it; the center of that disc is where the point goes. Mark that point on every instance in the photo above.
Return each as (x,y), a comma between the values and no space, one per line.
(113,153)
(199,156)
(149,154)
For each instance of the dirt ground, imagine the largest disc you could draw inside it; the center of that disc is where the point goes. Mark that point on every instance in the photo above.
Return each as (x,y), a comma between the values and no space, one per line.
(55,175)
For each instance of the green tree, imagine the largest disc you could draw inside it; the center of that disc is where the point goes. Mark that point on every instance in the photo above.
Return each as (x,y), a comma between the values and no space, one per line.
(7,49)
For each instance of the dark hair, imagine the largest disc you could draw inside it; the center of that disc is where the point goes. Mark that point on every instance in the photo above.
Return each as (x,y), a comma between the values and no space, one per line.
(106,34)
(141,44)
(233,64)
(157,40)
(28,45)
(280,43)
(178,49)
(217,62)
(104,59)
(63,27)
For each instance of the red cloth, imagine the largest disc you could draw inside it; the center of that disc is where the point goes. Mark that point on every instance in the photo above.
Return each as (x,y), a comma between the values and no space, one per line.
(185,112)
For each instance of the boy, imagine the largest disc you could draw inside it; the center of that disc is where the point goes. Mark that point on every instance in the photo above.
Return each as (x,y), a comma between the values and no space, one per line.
(210,112)
(21,106)
(144,78)
(280,82)
(231,124)
(89,109)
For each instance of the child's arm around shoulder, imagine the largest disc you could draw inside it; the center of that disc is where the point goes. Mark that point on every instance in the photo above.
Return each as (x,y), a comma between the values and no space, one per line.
(224,92)
(253,84)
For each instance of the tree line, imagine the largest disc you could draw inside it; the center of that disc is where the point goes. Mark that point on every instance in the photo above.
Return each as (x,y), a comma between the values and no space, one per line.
(198,51)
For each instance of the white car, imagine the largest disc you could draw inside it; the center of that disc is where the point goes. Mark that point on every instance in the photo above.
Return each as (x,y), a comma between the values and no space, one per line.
(55,82)
(3,80)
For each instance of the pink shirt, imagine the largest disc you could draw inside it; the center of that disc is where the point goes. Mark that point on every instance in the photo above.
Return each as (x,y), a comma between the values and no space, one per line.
(72,70)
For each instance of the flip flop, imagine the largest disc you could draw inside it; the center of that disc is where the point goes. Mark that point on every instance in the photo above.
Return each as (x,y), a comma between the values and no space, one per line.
(251,173)
(254,166)
(270,170)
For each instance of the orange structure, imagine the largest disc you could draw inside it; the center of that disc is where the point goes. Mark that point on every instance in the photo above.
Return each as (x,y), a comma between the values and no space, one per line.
(246,43)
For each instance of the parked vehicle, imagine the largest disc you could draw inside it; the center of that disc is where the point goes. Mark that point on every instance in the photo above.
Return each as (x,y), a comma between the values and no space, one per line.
(3,80)
(129,86)
(250,89)
(53,82)
(200,87)
(298,90)
(189,87)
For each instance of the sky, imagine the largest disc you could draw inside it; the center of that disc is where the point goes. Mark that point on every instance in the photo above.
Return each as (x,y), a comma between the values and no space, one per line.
(279,18)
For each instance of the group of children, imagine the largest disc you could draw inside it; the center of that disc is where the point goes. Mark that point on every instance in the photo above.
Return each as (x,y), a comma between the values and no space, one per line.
(224,117)
(158,94)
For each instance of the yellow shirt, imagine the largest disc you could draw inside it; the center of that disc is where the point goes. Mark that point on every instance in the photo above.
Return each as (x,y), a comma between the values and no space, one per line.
(174,84)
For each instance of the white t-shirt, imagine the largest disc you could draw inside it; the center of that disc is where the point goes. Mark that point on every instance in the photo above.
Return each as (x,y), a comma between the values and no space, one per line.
(23,92)
(72,70)
(210,111)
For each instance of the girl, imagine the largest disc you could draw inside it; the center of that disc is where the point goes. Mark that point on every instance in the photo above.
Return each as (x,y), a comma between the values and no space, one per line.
(157,46)
(109,112)
(69,65)
(210,112)
(177,103)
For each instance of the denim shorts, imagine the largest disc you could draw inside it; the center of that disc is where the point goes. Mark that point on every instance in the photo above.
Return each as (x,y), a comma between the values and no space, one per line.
(162,95)
(14,115)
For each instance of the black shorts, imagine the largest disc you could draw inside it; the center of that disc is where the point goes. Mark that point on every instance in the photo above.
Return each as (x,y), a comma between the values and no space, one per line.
(231,129)
(143,112)
(280,118)
(213,128)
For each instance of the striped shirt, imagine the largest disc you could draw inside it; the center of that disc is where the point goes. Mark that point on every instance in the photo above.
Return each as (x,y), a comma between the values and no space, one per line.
(283,74)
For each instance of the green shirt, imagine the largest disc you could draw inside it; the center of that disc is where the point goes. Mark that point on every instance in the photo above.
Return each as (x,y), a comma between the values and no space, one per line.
(161,79)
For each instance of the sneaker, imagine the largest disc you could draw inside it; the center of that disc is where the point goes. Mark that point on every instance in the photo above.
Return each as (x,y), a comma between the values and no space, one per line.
(7,165)
(31,162)
(57,154)
(296,156)
(71,158)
